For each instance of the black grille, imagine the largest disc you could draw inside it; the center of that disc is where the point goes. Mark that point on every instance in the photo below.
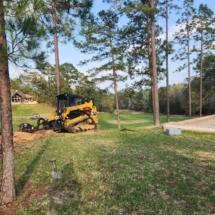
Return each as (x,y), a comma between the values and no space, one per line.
(74,114)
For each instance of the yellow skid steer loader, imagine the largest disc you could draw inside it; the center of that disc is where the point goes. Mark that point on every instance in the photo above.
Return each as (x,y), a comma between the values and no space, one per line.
(73,114)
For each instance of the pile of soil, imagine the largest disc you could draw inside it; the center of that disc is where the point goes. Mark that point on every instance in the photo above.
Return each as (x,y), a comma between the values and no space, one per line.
(23,137)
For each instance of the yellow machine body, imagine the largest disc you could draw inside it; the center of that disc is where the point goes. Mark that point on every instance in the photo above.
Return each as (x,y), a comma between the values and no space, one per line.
(81,115)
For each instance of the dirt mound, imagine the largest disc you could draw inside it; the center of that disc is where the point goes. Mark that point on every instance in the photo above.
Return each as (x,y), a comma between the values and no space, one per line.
(23,137)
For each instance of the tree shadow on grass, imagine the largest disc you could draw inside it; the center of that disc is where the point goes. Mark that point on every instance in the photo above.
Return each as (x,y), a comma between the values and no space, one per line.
(148,178)
(66,192)
(30,168)
(104,124)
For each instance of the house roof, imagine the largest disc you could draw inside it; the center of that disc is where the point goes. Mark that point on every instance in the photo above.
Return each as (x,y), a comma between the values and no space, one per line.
(28,96)
(20,94)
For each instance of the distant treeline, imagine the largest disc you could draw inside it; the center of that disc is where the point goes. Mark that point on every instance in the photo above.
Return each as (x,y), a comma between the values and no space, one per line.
(43,87)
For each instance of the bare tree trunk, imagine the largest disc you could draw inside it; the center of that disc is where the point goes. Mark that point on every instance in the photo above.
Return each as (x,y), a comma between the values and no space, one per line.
(129,103)
(154,72)
(8,180)
(209,102)
(189,80)
(57,65)
(150,69)
(167,64)
(201,65)
(151,75)
(209,107)
(116,99)
(115,85)
(152,91)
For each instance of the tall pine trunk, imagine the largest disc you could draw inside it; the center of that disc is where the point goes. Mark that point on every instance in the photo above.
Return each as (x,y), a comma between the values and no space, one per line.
(150,68)
(8,180)
(57,64)
(154,71)
(151,76)
(167,65)
(189,78)
(115,84)
(201,65)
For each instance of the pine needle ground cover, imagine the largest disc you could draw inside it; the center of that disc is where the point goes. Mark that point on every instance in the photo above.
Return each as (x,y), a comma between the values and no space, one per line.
(117,172)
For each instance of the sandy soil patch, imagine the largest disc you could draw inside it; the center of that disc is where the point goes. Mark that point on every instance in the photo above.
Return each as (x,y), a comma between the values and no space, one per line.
(200,124)
(23,137)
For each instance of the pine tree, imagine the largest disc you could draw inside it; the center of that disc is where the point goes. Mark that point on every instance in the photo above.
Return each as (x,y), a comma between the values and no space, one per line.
(205,34)
(8,180)
(165,8)
(167,61)
(69,77)
(208,78)
(141,33)
(60,18)
(183,39)
(102,38)
(154,67)
(19,36)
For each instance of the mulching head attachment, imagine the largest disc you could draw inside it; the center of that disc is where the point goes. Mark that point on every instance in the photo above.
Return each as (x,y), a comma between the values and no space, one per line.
(26,127)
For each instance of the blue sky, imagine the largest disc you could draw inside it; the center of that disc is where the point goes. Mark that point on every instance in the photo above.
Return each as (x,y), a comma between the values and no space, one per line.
(68,53)
(179,77)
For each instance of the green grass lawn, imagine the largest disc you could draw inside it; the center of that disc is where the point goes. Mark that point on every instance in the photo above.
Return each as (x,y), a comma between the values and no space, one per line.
(22,113)
(118,172)
(27,110)
(128,120)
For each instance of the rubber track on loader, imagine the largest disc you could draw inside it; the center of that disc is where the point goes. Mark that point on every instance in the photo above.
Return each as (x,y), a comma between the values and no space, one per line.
(87,124)
(81,127)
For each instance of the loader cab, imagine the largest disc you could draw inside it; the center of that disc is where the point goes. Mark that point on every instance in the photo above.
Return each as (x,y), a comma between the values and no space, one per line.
(75,100)
(68,100)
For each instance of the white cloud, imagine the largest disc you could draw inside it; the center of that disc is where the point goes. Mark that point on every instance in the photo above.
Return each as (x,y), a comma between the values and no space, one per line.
(172,30)
(176,28)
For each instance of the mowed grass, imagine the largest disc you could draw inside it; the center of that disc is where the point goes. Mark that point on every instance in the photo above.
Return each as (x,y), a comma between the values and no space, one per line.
(118,172)
(22,113)
(27,110)
(132,121)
